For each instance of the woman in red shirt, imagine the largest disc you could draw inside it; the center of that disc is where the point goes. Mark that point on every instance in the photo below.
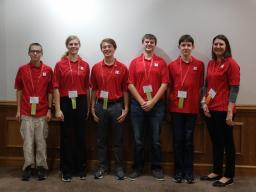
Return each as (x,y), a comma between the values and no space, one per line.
(71,84)
(222,83)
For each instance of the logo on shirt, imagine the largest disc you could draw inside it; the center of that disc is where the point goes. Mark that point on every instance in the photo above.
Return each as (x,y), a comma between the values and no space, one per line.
(195,68)
(82,68)
(222,66)
(44,74)
(117,72)
(156,64)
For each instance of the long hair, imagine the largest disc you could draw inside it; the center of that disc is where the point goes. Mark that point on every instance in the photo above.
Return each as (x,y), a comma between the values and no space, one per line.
(227,52)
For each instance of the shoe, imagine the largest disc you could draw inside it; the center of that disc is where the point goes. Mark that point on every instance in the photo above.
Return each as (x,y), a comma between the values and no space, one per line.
(120,173)
(27,173)
(82,175)
(220,184)
(99,174)
(189,179)
(41,173)
(178,178)
(158,174)
(66,178)
(207,178)
(134,175)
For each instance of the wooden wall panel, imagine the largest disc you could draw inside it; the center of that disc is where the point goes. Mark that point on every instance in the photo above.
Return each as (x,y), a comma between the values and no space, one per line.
(244,134)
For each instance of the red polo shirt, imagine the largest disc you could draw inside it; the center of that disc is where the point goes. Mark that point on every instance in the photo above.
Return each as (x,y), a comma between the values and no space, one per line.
(220,76)
(71,76)
(109,78)
(34,82)
(144,72)
(187,77)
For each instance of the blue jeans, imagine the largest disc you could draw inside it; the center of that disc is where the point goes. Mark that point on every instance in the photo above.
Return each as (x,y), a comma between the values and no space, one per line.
(108,118)
(183,125)
(154,117)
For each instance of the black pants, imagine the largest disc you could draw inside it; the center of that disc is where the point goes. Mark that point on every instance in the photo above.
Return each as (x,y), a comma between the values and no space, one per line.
(72,135)
(108,118)
(183,125)
(222,140)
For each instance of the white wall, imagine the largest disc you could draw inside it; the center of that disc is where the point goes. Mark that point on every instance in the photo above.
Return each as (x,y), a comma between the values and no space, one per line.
(51,21)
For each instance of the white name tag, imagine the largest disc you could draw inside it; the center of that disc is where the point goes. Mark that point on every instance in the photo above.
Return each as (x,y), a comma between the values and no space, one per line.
(147,89)
(104,94)
(212,93)
(117,72)
(182,94)
(44,74)
(195,68)
(156,64)
(34,100)
(72,94)
(82,68)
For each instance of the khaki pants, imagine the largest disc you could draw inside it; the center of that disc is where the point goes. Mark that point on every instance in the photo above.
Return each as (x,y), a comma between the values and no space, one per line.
(34,132)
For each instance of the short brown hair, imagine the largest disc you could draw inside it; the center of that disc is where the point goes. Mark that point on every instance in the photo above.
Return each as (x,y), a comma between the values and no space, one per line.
(110,41)
(149,36)
(35,44)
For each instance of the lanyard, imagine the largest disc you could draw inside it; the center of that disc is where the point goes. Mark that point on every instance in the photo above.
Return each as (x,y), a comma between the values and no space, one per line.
(109,74)
(145,71)
(31,78)
(182,80)
(71,71)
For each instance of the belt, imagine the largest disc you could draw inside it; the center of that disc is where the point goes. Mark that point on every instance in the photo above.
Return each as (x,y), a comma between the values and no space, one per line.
(100,100)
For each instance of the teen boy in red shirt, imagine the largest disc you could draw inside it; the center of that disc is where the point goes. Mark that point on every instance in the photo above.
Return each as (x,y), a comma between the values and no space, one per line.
(34,100)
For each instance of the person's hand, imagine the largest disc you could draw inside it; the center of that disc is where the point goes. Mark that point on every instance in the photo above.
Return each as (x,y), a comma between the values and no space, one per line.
(48,115)
(18,116)
(229,118)
(206,110)
(95,117)
(88,114)
(59,115)
(148,105)
(122,117)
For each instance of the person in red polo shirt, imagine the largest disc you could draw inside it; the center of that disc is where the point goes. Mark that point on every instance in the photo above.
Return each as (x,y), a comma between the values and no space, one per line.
(186,81)
(148,80)
(109,105)
(222,83)
(34,100)
(71,96)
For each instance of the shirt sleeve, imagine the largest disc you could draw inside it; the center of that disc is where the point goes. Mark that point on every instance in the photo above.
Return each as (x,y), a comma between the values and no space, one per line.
(50,84)
(93,81)
(125,80)
(87,77)
(56,77)
(132,72)
(165,73)
(234,73)
(18,80)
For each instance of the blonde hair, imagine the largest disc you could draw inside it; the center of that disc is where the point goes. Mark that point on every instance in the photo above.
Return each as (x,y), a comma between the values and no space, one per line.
(70,38)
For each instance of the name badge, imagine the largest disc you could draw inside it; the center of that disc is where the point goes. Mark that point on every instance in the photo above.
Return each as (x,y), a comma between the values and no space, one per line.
(222,66)
(72,94)
(195,68)
(182,94)
(104,94)
(34,100)
(147,89)
(156,64)
(44,74)
(82,68)
(117,72)
(212,93)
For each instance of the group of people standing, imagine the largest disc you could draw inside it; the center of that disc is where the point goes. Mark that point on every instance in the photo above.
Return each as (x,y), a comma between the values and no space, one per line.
(148,79)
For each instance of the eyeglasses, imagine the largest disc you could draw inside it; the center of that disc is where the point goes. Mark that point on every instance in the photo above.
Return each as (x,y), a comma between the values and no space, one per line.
(35,51)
